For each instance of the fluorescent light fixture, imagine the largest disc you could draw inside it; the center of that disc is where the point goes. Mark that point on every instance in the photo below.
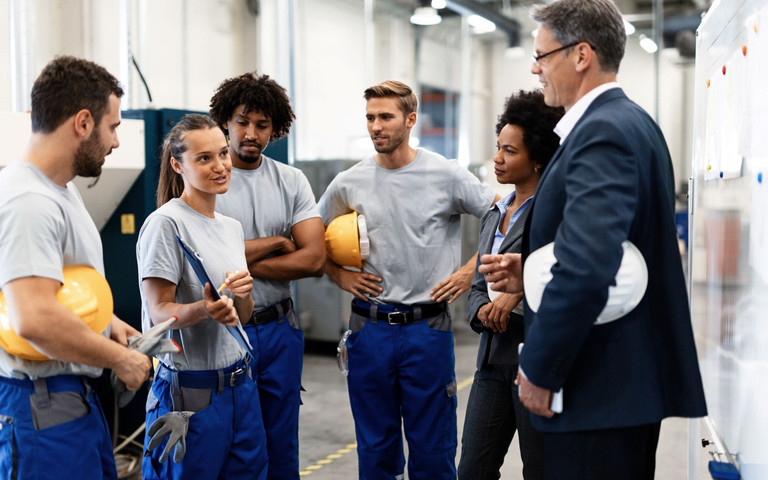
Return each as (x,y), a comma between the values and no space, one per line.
(481,24)
(425,16)
(648,44)
(629,27)
(438,4)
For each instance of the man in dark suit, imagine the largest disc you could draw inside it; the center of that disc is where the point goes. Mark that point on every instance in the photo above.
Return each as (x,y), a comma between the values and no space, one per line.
(610,181)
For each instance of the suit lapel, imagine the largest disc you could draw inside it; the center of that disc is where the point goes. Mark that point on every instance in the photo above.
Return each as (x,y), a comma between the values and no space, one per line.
(488,231)
(596,103)
(516,231)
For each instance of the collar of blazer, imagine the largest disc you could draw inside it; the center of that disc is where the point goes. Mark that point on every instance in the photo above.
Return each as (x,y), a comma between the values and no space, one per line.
(491,223)
(599,102)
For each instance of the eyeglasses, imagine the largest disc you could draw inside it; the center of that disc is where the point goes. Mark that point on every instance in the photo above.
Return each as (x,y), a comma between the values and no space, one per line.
(537,58)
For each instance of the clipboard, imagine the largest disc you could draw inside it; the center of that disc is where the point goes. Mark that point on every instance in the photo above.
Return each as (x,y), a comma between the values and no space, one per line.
(197,265)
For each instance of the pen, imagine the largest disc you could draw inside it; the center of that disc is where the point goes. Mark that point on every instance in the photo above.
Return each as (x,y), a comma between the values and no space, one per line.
(221,287)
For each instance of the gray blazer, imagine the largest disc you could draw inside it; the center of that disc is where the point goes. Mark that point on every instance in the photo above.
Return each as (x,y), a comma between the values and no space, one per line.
(496,348)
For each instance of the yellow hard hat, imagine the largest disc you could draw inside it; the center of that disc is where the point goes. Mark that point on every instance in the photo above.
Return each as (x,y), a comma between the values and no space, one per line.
(346,240)
(85,291)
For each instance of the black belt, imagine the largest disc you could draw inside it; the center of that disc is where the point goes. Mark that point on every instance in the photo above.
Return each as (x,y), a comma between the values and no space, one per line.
(272,313)
(230,376)
(405,314)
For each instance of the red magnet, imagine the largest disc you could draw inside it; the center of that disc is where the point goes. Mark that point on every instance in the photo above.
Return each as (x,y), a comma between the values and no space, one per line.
(723,69)
(744,50)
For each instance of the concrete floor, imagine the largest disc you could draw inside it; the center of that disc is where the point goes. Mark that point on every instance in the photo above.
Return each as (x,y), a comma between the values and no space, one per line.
(327,434)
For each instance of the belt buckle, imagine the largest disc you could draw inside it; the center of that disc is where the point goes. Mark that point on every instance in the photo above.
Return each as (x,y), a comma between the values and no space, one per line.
(397,318)
(234,376)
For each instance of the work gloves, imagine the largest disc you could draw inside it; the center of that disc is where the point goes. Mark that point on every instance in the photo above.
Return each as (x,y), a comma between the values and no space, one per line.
(173,425)
(151,343)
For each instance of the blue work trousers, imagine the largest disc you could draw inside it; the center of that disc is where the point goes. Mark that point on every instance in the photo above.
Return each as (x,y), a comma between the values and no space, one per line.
(66,437)
(279,354)
(403,372)
(225,439)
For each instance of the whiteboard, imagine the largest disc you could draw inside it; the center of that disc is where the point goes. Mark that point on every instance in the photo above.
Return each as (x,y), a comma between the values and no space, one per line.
(728,263)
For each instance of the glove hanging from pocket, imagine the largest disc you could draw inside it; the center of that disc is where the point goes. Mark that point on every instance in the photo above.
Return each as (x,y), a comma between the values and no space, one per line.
(173,425)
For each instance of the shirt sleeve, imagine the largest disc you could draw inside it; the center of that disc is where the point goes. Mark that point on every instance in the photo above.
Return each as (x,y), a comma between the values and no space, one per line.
(31,231)
(470,196)
(305,207)
(331,204)
(157,251)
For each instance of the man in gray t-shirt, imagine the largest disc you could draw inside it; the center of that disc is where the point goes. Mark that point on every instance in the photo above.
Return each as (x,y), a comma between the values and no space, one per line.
(50,418)
(400,351)
(284,242)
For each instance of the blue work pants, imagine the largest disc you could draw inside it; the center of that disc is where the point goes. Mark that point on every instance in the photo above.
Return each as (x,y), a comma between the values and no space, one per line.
(403,372)
(66,437)
(279,354)
(225,439)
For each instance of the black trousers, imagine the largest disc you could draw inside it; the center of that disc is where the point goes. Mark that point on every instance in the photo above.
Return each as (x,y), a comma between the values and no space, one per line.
(620,453)
(494,414)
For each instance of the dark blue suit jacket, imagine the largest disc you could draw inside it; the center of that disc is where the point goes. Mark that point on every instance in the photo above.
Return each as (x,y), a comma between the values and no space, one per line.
(496,348)
(611,180)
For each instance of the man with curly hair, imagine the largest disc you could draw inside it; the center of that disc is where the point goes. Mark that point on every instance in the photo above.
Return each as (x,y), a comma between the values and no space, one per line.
(284,241)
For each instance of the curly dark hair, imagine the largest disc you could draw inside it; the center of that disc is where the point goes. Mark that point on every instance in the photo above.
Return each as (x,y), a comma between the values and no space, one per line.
(258,93)
(67,85)
(528,111)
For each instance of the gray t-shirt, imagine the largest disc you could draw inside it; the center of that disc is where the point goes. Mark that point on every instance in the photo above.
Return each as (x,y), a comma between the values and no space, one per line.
(268,201)
(43,227)
(219,242)
(413,219)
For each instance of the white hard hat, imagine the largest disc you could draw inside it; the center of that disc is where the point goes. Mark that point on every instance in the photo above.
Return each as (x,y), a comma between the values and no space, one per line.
(631,281)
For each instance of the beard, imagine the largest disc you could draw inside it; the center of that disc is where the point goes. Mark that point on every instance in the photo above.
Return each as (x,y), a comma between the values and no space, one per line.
(89,157)
(248,157)
(395,140)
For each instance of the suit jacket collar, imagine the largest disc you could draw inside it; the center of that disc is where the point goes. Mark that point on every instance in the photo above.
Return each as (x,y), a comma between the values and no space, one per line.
(571,118)
(607,96)
(516,231)
(492,224)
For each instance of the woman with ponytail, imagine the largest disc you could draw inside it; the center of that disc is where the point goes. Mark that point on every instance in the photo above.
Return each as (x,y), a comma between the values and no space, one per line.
(209,380)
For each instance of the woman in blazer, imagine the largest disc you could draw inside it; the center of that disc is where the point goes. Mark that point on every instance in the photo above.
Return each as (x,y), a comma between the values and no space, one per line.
(526,142)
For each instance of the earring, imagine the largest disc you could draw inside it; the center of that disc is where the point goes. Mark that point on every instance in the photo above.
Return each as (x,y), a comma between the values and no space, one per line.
(536,169)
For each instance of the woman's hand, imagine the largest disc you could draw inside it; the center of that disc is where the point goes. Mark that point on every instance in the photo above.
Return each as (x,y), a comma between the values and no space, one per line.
(239,282)
(221,310)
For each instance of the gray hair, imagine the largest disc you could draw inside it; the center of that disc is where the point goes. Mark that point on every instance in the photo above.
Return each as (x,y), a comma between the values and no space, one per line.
(596,22)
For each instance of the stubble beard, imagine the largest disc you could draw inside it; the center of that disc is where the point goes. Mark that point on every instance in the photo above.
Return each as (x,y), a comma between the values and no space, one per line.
(89,157)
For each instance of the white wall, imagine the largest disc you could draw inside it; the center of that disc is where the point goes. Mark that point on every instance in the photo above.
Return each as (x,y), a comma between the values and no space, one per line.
(187,47)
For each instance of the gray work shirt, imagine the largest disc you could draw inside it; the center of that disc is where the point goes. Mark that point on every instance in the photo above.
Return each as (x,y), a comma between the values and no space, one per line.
(43,228)
(207,345)
(413,218)
(268,201)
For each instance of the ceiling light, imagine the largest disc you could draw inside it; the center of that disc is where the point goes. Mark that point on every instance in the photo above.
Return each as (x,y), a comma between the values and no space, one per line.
(481,24)
(648,44)
(425,16)
(438,4)
(629,27)
(534,32)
